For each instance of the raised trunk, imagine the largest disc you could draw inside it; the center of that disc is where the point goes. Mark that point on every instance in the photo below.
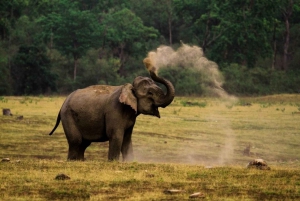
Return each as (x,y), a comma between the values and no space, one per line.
(169,96)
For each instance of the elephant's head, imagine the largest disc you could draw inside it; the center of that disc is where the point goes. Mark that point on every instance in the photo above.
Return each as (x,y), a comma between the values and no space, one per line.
(144,96)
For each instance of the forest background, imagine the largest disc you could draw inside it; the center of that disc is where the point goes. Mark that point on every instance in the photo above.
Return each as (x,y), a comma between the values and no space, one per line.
(57,46)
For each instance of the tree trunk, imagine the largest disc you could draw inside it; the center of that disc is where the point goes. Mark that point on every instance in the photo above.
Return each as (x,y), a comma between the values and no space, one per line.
(75,56)
(274,54)
(274,48)
(170,29)
(75,68)
(286,44)
(122,58)
(287,12)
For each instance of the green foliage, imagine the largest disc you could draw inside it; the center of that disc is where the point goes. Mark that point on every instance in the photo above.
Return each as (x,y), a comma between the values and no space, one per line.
(125,35)
(160,15)
(3,99)
(5,85)
(124,31)
(124,26)
(31,71)
(259,81)
(98,71)
(186,81)
(10,11)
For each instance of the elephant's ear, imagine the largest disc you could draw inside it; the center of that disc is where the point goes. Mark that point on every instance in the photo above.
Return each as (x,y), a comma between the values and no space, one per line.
(127,97)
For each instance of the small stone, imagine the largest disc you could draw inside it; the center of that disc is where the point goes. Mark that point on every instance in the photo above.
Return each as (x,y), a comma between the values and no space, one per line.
(118,171)
(173,191)
(197,195)
(5,160)
(259,164)
(62,176)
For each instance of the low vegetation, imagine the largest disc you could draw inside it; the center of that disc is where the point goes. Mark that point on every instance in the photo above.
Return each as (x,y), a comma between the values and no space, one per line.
(198,145)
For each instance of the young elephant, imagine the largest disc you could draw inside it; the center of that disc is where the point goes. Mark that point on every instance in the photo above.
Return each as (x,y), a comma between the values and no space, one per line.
(102,113)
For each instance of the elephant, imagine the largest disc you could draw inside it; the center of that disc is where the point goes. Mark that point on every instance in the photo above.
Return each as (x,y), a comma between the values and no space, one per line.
(102,113)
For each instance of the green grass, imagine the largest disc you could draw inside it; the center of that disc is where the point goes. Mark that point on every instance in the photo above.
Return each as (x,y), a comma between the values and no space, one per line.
(194,147)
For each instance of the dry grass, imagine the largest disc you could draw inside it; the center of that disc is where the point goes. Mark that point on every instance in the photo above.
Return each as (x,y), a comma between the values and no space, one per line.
(197,145)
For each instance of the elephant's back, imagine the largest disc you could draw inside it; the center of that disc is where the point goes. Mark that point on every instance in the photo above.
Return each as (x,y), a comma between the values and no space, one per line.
(91,98)
(101,89)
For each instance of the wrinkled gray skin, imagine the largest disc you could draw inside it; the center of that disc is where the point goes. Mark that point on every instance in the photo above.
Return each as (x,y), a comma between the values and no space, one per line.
(102,113)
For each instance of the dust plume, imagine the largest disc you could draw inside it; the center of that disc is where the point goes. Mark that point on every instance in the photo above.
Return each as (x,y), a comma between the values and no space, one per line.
(211,81)
(190,57)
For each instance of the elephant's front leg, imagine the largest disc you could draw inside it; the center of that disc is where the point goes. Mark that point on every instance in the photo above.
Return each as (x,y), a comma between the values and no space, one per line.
(127,150)
(115,143)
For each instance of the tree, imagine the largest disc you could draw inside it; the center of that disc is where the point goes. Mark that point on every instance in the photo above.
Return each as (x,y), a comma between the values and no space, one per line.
(196,20)
(73,31)
(5,84)
(287,7)
(31,71)
(10,11)
(235,31)
(121,30)
(160,15)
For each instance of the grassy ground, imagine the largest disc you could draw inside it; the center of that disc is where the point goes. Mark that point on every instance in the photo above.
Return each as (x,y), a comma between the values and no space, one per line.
(197,146)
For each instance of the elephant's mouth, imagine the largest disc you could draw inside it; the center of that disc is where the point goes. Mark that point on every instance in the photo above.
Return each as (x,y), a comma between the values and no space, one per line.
(155,111)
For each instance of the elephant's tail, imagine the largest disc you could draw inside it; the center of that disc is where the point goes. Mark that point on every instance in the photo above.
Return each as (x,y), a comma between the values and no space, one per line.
(57,123)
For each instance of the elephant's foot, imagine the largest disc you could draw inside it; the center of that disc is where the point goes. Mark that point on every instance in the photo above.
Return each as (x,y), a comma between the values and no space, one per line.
(75,154)
(72,157)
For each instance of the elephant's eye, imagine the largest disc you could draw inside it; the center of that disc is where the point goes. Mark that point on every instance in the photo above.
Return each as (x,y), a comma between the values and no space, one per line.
(150,93)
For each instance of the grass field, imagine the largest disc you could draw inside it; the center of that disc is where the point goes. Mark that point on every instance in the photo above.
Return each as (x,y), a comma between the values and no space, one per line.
(198,145)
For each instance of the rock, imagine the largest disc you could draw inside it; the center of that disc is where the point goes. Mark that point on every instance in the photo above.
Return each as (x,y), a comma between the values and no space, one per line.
(62,176)
(7,112)
(5,160)
(149,175)
(20,117)
(259,164)
(197,195)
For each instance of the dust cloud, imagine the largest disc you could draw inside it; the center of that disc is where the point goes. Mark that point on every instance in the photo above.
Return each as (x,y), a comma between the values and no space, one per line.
(187,56)
(192,57)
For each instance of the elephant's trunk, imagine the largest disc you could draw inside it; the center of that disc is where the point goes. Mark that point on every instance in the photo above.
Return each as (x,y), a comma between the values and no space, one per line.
(166,99)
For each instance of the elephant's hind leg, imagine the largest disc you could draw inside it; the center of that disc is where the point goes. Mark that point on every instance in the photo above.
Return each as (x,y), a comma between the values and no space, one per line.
(76,151)
(82,148)
(77,145)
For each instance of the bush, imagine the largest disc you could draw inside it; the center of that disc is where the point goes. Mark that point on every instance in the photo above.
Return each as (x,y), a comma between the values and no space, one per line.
(240,80)
(185,81)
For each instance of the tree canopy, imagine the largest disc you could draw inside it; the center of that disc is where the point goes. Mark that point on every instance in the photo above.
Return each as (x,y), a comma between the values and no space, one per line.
(70,44)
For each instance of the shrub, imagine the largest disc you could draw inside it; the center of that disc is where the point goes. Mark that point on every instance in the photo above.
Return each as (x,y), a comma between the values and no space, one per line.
(186,81)
(259,81)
